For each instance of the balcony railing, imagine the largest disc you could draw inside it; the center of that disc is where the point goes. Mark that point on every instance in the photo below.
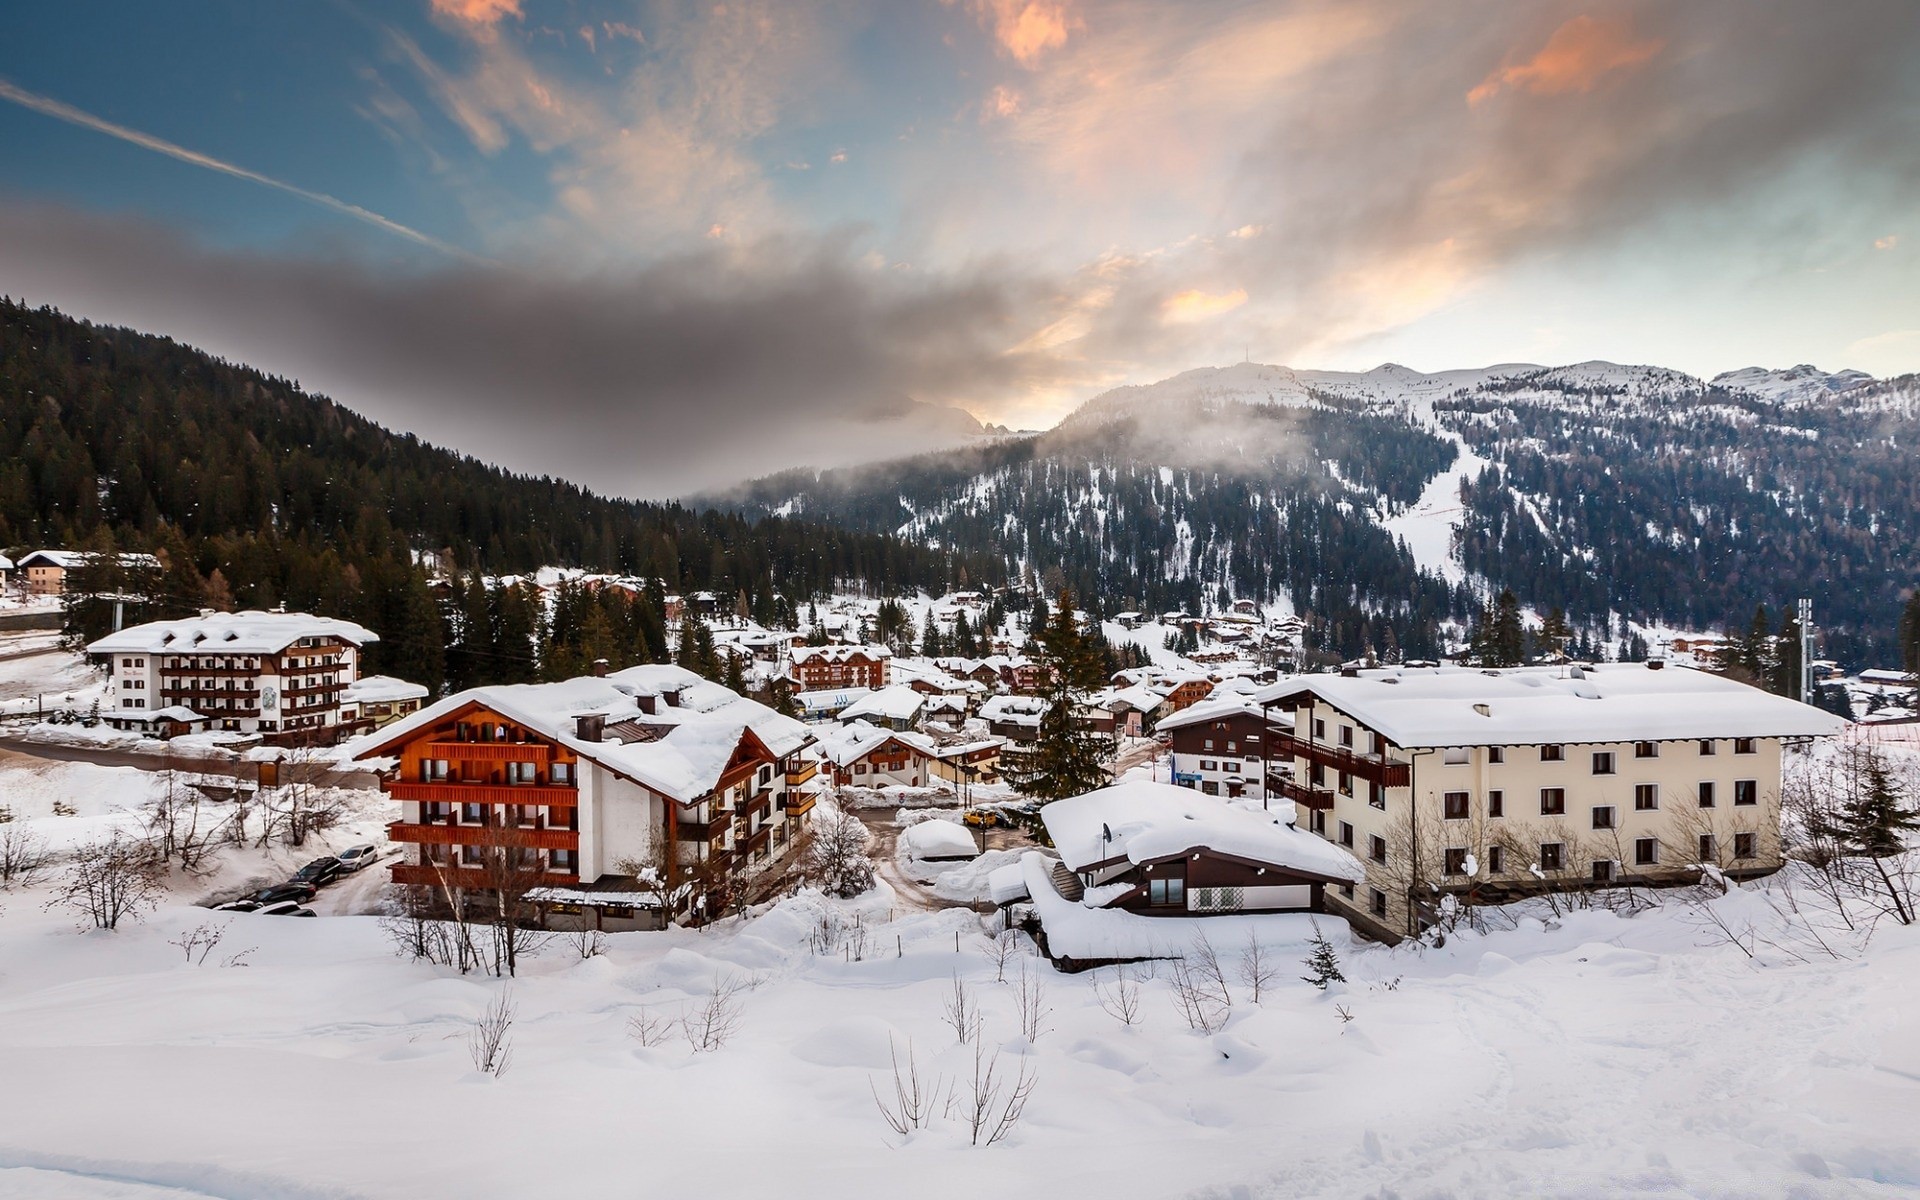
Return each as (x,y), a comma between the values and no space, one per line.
(1370,767)
(1300,793)
(449,791)
(798,803)
(474,877)
(802,773)
(536,752)
(440,834)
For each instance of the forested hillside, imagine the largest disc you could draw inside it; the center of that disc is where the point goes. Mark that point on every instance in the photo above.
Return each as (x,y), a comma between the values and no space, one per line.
(257,493)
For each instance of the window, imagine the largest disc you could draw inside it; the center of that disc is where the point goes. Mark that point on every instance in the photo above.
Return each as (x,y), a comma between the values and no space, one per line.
(1496,859)
(563,773)
(861,768)
(437,853)
(1458,755)
(1208,764)
(1646,797)
(1346,889)
(561,862)
(1210,787)
(1709,747)
(1706,794)
(1603,870)
(1377,795)
(1377,848)
(1553,856)
(1317,775)
(1346,736)
(436,768)
(1496,803)
(1745,845)
(523,772)
(1553,801)
(1646,749)
(473,856)
(473,814)
(1745,746)
(1553,753)
(1376,902)
(1317,822)
(1603,816)
(1319,730)
(1603,762)
(1456,861)
(1746,792)
(1206,744)
(1496,754)
(1346,784)
(1167,892)
(1454,805)
(1709,847)
(1346,834)
(1646,852)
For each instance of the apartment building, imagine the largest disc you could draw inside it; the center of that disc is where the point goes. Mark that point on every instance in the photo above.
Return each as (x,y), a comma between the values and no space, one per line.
(1490,784)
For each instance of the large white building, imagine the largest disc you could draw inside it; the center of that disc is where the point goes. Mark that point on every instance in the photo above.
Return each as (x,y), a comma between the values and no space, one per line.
(276,673)
(1493,783)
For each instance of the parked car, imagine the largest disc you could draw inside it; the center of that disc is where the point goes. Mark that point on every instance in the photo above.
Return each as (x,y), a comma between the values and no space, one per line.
(286,908)
(292,889)
(353,858)
(237,906)
(320,872)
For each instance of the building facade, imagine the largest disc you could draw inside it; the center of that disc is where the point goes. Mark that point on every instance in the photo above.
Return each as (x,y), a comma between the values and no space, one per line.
(1220,747)
(1489,785)
(821,668)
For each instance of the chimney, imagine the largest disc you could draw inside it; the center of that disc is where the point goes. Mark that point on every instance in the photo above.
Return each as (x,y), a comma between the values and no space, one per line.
(1485,710)
(599,668)
(589,727)
(1654,664)
(649,703)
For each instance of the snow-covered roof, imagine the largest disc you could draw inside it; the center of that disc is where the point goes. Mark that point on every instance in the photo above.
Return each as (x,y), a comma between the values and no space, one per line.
(248,632)
(839,654)
(897,702)
(1614,702)
(1017,710)
(1143,821)
(381,689)
(66,560)
(6,564)
(843,745)
(939,838)
(176,712)
(1007,884)
(1221,710)
(689,743)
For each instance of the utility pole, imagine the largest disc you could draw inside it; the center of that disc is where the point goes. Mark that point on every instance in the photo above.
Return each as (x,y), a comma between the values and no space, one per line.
(1806,650)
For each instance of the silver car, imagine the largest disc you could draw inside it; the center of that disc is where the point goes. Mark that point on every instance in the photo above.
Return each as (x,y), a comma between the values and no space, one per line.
(353,858)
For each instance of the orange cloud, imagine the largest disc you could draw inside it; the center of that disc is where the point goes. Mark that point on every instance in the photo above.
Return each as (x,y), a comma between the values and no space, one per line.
(1003,102)
(1574,59)
(1027,29)
(479,12)
(1193,304)
(1886,243)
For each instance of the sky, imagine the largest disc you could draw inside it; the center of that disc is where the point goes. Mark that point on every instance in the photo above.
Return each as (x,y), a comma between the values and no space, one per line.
(657,247)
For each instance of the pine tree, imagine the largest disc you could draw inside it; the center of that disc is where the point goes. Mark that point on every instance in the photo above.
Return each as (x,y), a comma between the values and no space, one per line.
(1065,758)
(1323,965)
(1554,636)
(1873,819)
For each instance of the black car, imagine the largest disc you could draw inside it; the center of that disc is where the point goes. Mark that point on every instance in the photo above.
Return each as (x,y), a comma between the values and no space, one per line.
(320,872)
(292,889)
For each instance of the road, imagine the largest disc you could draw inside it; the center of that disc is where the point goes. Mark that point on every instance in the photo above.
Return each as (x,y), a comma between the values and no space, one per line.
(1135,753)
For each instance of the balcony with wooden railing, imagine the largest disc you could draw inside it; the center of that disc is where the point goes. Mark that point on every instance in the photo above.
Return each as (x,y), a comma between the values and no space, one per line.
(802,773)
(441,833)
(453,791)
(1300,793)
(1373,768)
(534,752)
(798,804)
(474,878)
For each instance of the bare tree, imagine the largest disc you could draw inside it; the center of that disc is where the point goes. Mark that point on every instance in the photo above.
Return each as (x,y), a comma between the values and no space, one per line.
(914,1095)
(23,856)
(991,1116)
(650,1028)
(1030,1002)
(1121,998)
(198,942)
(488,1043)
(659,874)
(110,881)
(1001,950)
(301,806)
(960,1010)
(1200,988)
(510,872)
(177,827)
(1257,969)
(587,942)
(711,1022)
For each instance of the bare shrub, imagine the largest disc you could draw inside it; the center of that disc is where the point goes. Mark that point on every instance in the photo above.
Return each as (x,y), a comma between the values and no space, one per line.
(711,1022)
(836,855)
(650,1028)
(488,1044)
(960,1010)
(1030,1001)
(1001,951)
(1257,969)
(587,942)
(110,881)
(989,1114)
(198,942)
(23,856)
(914,1095)
(1121,998)
(1200,988)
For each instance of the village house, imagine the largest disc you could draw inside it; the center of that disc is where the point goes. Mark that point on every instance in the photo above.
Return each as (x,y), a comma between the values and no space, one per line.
(280,674)
(869,756)
(1495,783)
(375,700)
(648,780)
(966,763)
(1219,747)
(896,706)
(46,570)
(823,668)
(1160,850)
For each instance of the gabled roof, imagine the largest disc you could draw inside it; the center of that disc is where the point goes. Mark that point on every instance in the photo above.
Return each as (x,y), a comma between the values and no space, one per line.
(897,702)
(381,689)
(845,745)
(1222,710)
(230,633)
(1144,822)
(1420,707)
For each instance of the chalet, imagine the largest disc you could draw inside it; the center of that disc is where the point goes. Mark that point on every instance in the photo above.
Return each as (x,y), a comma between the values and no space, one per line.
(818,668)
(968,763)
(865,755)
(1496,783)
(46,570)
(1219,747)
(1161,850)
(1128,620)
(574,785)
(897,706)
(275,673)
(375,700)
(1014,718)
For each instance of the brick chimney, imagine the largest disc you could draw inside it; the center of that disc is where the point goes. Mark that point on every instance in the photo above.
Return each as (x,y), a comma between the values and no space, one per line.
(599,668)
(590,727)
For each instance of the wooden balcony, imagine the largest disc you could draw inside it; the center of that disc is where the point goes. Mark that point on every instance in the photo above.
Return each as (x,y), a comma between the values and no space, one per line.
(1300,793)
(536,752)
(755,842)
(471,878)
(453,792)
(798,803)
(440,833)
(802,773)
(1370,767)
(698,831)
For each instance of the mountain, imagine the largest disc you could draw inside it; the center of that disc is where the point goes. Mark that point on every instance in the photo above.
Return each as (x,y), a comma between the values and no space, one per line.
(1388,502)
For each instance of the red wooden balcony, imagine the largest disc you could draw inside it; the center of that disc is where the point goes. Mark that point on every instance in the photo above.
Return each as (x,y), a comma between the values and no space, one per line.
(471,877)
(1300,793)
(538,752)
(1370,767)
(440,833)
(451,792)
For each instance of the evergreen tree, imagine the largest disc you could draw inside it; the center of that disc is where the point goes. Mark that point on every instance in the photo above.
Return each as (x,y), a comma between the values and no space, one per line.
(1554,636)
(1872,819)
(1065,758)
(1323,965)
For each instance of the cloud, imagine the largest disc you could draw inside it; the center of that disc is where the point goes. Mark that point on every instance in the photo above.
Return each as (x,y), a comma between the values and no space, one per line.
(478,12)
(1574,59)
(1028,29)
(653,380)
(1196,305)
(48,106)
(1886,243)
